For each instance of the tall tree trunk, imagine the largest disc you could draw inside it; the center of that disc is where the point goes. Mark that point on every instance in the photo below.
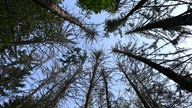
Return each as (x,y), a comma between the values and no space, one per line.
(62,91)
(138,6)
(183,82)
(63,14)
(143,100)
(169,23)
(151,102)
(106,88)
(113,24)
(88,97)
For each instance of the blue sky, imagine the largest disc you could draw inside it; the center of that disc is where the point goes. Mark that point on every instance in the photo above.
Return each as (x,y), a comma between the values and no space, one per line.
(107,43)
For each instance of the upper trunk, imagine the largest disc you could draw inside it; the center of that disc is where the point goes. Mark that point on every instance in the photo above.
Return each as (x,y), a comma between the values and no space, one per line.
(169,23)
(60,12)
(143,100)
(183,82)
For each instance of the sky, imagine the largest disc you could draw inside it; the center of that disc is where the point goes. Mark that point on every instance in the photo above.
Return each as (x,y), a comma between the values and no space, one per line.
(107,43)
(102,43)
(97,19)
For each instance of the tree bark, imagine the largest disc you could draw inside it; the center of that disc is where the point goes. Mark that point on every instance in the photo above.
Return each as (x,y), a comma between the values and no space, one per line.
(169,23)
(88,97)
(112,25)
(139,5)
(179,79)
(143,100)
(62,91)
(106,88)
(63,14)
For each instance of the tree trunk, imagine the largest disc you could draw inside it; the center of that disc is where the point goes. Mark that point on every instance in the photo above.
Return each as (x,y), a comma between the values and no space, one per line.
(88,97)
(169,23)
(63,14)
(143,100)
(106,88)
(117,22)
(183,82)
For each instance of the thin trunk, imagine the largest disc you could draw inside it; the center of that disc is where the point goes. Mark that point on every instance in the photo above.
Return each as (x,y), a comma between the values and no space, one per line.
(40,86)
(113,24)
(138,6)
(143,100)
(61,92)
(106,88)
(183,82)
(151,102)
(117,4)
(88,97)
(60,12)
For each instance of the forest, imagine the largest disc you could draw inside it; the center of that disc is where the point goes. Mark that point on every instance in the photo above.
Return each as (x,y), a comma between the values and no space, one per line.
(95,54)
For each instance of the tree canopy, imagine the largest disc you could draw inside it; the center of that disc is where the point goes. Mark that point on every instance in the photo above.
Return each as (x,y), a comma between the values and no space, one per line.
(99,5)
(51,54)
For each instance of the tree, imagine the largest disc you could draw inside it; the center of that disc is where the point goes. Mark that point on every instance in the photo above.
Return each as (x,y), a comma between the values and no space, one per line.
(147,81)
(30,37)
(181,80)
(111,25)
(143,100)
(99,5)
(98,60)
(60,12)
(45,63)
(18,100)
(13,74)
(168,23)
(144,13)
